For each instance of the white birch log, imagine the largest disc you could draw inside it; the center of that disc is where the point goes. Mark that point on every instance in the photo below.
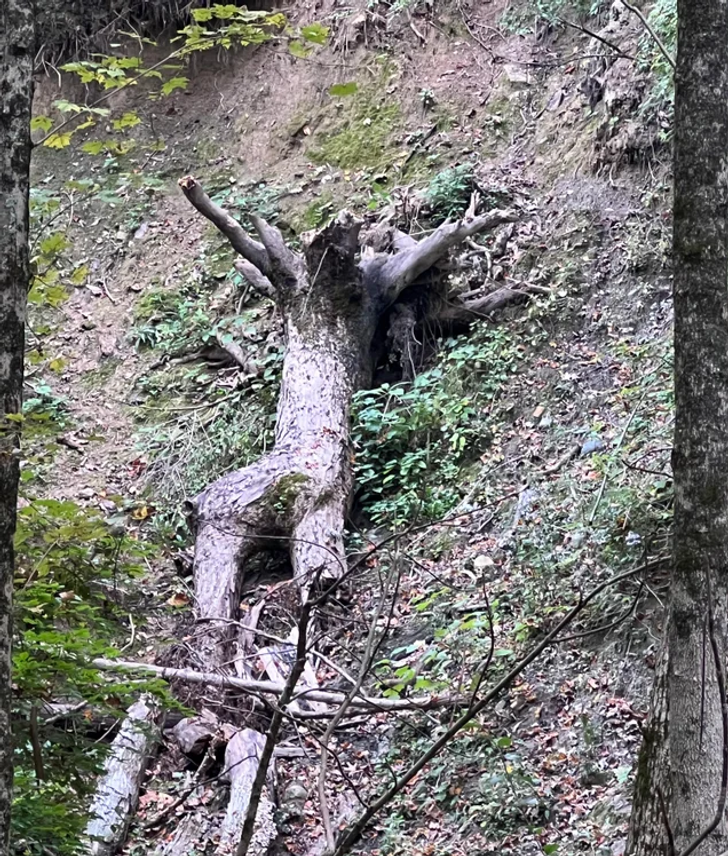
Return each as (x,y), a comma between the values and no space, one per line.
(117,794)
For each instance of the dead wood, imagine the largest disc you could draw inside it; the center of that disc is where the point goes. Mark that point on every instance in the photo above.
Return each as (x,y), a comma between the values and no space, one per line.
(242,759)
(331,296)
(117,793)
(328,697)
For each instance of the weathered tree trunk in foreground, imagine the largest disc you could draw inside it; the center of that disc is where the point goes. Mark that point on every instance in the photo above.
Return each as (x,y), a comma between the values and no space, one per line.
(331,297)
(698,622)
(647,831)
(17,50)
(241,761)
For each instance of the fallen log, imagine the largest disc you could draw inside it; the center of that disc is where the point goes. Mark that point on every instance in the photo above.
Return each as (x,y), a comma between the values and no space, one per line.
(241,762)
(331,697)
(332,295)
(190,836)
(117,794)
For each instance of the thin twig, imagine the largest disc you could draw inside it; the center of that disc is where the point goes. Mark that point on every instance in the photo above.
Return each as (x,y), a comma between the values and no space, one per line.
(371,646)
(352,834)
(646,24)
(271,736)
(596,36)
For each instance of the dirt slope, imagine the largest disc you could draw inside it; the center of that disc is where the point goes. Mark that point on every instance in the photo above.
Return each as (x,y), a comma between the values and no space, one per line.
(587,365)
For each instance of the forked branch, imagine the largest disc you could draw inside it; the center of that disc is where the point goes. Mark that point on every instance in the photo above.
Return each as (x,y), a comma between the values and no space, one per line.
(251,250)
(402,269)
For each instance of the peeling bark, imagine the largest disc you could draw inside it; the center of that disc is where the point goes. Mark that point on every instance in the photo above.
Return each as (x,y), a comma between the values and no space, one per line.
(17,50)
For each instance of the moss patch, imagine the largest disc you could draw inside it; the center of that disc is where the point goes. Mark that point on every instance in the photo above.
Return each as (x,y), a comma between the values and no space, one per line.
(361,136)
(285,492)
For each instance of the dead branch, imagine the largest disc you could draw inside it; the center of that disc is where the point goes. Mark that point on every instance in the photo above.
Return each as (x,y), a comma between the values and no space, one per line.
(118,789)
(402,269)
(242,243)
(271,737)
(283,261)
(650,29)
(258,280)
(243,759)
(372,644)
(332,697)
(587,32)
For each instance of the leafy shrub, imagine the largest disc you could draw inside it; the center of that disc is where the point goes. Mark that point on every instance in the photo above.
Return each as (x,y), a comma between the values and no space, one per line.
(663,20)
(449,191)
(70,563)
(412,440)
(520,18)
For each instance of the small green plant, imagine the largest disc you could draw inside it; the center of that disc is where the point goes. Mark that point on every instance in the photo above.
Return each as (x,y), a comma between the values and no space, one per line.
(362,134)
(663,20)
(412,440)
(520,18)
(448,193)
(427,98)
(172,321)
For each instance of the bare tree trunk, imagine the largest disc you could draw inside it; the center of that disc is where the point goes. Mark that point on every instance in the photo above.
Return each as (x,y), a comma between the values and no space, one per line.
(697,626)
(331,297)
(696,736)
(647,831)
(17,37)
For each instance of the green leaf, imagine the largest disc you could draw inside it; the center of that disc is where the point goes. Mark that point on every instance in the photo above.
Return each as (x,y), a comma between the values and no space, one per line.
(58,141)
(54,244)
(504,742)
(95,147)
(174,83)
(128,120)
(548,849)
(67,106)
(341,90)
(41,123)
(298,49)
(316,33)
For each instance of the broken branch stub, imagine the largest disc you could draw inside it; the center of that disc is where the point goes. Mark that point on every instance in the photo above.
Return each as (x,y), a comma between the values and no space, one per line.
(240,240)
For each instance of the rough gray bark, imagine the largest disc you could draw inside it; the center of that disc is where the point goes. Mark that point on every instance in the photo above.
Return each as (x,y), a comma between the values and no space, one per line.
(701,421)
(331,297)
(17,37)
(696,744)
(117,792)
(647,830)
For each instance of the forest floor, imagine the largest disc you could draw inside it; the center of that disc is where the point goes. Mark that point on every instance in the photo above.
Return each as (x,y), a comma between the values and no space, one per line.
(552,471)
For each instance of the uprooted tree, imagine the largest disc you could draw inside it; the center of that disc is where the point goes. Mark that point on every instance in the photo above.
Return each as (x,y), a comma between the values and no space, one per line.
(332,296)
(336,298)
